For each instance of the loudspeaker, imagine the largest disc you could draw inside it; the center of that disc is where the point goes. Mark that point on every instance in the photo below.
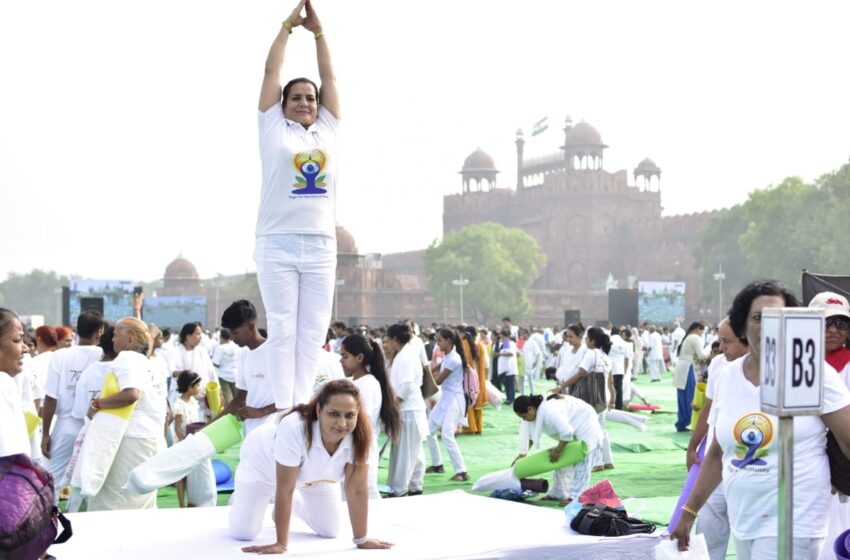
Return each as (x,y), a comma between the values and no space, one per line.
(571,316)
(66,305)
(623,307)
(91,303)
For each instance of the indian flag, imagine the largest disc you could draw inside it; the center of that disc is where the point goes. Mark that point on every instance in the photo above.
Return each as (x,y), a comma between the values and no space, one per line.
(540,126)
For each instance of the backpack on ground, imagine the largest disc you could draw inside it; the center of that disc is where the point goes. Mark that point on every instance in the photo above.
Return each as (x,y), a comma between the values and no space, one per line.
(28,516)
(471,388)
(602,521)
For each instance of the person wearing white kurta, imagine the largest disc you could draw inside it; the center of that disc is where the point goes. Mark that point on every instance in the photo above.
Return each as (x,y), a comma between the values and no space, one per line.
(190,355)
(564,419)
(570,355)
(532,356)
(655,356)
(450,411)
(407,459)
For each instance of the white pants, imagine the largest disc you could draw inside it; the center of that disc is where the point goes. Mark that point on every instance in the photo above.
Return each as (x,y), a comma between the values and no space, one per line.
(318,506)
(767,547)
(602,456)
(571,481)
(713,523)
(296,275)
(655,368)
(407,459)
(112,496)
(452,417)
(62,439)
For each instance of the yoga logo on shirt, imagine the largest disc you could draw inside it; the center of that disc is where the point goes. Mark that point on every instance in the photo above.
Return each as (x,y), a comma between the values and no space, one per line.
(754,434)
(308,172)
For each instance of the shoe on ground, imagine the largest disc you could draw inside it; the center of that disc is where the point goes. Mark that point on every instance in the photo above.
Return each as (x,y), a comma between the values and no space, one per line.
(460,477)
(415,493)
(435,469)
(598,468)
(565,503)
(607,466)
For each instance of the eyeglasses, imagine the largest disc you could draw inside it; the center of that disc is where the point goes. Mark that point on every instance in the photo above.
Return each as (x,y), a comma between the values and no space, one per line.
(840,323)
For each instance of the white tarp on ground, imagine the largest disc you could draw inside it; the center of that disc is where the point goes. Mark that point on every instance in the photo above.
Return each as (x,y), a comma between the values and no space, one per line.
(447,525)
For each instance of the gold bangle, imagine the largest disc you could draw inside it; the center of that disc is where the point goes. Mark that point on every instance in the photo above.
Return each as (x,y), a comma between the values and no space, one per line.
(287,26)
(319,35)
(689,510)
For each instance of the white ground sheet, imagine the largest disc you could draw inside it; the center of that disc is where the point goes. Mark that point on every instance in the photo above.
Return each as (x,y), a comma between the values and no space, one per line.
(447,525)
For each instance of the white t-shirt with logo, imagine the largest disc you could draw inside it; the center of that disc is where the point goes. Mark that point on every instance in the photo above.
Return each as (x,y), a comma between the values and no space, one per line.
(89,386)
(749,439)
(64,371)
(253,376)
(134,370)
(13,434)
(299,174)
(227,357)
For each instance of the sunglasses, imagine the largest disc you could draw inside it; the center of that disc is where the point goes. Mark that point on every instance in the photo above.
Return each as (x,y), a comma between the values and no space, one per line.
(840,323)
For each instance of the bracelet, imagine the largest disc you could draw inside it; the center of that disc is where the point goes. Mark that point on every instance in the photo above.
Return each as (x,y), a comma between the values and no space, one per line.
(689,510)
(95,404)
(360,541)
(319,35)
(287,26)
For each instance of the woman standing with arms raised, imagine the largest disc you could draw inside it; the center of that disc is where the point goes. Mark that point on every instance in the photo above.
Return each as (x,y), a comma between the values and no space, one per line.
(296,223)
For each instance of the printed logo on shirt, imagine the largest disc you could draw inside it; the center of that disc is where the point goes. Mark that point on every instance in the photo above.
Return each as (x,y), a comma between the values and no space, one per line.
(754,434)
(308,172)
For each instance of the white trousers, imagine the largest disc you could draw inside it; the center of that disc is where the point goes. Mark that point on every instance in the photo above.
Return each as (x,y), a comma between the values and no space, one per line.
(602,456)
(452,417)
(713,523)
(62,439)
(655,368)
(296,274)
(766,548)
(407,459)
(131,453)
(318,506)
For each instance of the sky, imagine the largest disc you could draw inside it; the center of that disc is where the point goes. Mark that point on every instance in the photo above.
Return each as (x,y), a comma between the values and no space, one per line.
(128,131)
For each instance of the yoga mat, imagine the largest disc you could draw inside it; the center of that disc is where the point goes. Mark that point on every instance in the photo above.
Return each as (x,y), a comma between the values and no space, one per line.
(539,463)
(689,485)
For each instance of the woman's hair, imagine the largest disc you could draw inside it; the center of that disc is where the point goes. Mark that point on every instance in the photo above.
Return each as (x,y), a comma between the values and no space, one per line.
(288,87)
(238,313)
(105,342)
(695,326)
(626,333)
(523,402)
(186,379)
(470,343)
(373,357)
(62,333)
(744,300)
(187,330)
(400,332)
(7,319)
(142,341)
(576,328)
(449,334)
(362,431)
(46,335)
(599,338)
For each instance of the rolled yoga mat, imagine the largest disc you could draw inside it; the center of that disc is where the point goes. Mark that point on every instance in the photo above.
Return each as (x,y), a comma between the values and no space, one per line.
(841,547)
(689,485)
(539,463)
(214,397)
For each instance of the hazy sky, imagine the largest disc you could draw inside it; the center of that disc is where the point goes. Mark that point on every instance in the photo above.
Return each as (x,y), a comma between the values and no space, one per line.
(128,130)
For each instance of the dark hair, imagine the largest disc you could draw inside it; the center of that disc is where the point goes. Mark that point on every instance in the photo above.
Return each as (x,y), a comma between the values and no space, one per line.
(237,314)
(339,324)
(599,338)
(187,330)
(362,431)
(715,345)
(186,379)
(105,342)
(89,322)
(470,342)
(288,87)
(449,334)
(744,300)
(373,357)
(506,318)
(224,334)
(7,317)
(693,327)
(166,333)
(550,373)
(47,335)
(576,328)
(523,402)
(400,332)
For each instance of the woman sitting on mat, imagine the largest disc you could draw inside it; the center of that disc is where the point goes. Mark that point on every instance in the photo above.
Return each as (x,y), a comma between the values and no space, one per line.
(564,419)
(311,449)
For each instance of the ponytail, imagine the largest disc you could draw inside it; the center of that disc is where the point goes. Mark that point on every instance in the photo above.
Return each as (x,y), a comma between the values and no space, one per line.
(599,338)
(449,334)
(373,357)
(523,402)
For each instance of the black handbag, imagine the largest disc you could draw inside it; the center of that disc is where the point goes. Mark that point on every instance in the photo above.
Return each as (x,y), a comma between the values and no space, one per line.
(600,520)
(839,465)
(591,389)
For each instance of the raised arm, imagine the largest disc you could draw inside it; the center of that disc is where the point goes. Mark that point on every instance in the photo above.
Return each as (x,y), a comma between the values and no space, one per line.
(270,90)
(329,96)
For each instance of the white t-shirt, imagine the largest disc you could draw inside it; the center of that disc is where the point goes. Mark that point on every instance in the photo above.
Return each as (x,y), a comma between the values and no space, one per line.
(371,399)
(290,450)
(749,439)
(197,360)
(454,382)
(227,357)
(562,419)
(187,409)
(64,370)
(39,366)
(88,387)
(597,360)
(507,365)
(253,376)
(619,352)
(569,361)
(299,174)
(330,368)
(133,370)
(14,438)
(532,355)
(656,348)
(406,378)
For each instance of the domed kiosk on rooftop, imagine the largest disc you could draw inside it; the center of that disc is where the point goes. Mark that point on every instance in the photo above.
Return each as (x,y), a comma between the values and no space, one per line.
(181,278)
(479,172)
(583,145)
(647,175)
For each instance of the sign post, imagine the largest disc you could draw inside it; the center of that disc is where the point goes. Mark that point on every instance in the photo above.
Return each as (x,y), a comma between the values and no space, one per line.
(791,365)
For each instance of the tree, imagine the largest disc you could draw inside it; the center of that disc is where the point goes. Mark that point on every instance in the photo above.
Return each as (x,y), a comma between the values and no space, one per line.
(35,293)
(720,247)
(500,263)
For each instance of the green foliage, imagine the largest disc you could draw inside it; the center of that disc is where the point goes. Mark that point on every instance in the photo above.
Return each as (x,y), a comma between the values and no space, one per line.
(500,263)
(35,293)
(778,232)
